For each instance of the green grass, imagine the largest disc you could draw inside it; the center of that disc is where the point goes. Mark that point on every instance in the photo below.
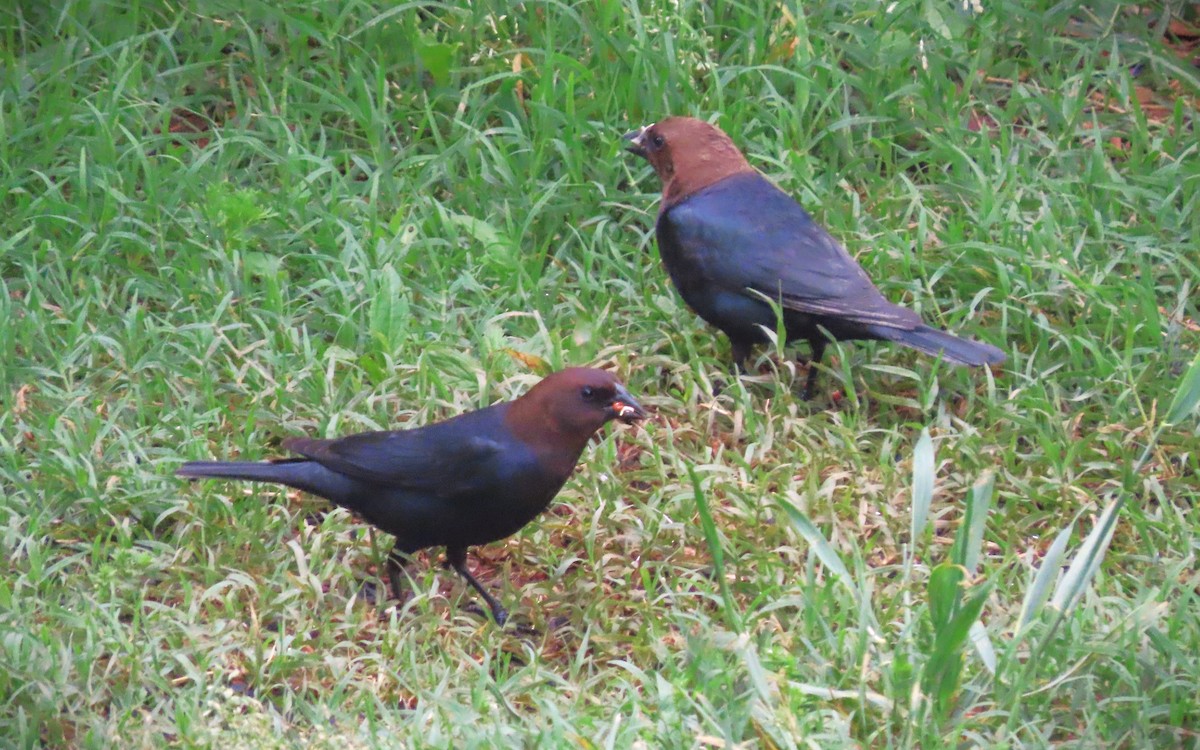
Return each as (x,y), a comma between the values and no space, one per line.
(384,220)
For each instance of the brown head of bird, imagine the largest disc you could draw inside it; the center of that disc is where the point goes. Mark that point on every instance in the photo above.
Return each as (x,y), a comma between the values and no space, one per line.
(567,407)
(688,155)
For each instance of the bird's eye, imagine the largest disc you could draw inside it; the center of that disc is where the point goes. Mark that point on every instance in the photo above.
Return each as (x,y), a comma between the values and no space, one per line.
(588,391)
(657,140)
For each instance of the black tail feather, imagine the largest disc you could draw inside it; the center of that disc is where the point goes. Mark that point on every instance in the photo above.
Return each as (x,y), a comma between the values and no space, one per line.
(254,472)
(952,348)
(302,474)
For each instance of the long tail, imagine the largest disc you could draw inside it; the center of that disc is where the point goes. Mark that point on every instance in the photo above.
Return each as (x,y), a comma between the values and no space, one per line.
(305,475)
(951,347)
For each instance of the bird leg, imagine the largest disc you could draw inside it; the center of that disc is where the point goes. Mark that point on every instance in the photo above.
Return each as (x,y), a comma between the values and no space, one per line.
(810,384)
(397,561)
(741,355)
(456,557)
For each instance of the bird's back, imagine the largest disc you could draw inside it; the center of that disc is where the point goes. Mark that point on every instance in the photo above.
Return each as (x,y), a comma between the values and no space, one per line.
(743,233)
(460,482)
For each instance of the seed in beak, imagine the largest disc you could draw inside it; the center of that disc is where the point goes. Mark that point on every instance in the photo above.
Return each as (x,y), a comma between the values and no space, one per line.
(623,410)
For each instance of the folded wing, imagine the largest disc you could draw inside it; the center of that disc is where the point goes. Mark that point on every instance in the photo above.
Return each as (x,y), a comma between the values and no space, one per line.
(747,234)
(442,460)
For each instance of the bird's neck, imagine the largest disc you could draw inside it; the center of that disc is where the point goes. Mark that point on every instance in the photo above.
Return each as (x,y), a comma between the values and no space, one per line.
(700,169)
(557,446)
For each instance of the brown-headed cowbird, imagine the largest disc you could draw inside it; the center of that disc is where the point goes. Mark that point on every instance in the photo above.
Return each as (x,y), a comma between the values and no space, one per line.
(730,238)
(471,479)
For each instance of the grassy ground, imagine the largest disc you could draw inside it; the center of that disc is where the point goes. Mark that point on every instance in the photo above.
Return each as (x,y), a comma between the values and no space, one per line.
(224,226)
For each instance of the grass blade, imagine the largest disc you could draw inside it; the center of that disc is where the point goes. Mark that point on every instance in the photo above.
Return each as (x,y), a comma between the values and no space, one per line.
(715,549)
(944,584)
(820,545)
(922,483)
(983,646)
(1187,398)
(969,542)
(1087,560)
(1036,596)
(952,620)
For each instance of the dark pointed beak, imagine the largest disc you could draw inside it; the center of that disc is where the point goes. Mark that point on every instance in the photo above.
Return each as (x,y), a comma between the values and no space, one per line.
(626,408)
(636,145)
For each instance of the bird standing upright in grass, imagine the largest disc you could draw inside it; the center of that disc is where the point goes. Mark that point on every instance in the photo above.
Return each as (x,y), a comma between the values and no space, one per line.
(471,479)
(729,238)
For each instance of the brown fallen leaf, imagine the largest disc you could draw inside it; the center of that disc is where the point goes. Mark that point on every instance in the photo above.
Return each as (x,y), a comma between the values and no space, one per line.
(186,122)
(978,122)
